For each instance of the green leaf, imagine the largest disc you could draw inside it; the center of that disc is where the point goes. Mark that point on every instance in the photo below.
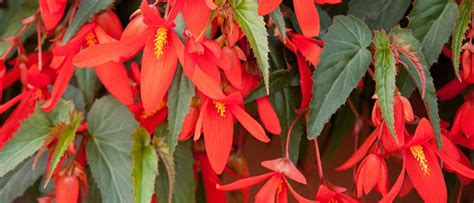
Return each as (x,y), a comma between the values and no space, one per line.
(185,184)
(66,136)
(75,95)
(278,79)
(31,135)
(168,161)
(10,20)
(145,166)
(16,182)
(284,103)
(344,62)
(88,83)
(279,22)
(108,151)
(379,14)
(431,22)
(87,9)
(253,26)
(460,27)
(385,78)
(180,95)
(430,99)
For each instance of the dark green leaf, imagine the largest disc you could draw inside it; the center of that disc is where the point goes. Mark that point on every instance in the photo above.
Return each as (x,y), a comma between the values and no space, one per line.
(168,161)
(253,26)
(460,27)
(431,22)
(284,103)
(379,14)
(185,183)
(86,11)
(31,135)
(66,136)
(15,182)
(385,78)
(88,83)
(344,62)
(430,99)
(279,22)
(145,166)
(278,79)
(108,151)
(75,95)
(180,95)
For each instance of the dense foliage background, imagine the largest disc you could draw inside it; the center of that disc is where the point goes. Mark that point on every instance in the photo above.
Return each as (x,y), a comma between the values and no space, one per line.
(236,101)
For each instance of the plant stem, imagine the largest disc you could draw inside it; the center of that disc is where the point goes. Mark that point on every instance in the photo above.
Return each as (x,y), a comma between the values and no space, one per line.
(287,147)
(318,160)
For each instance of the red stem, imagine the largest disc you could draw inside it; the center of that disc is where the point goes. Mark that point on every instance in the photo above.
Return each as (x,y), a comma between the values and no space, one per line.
(318,160)
(292,125)
(40,45)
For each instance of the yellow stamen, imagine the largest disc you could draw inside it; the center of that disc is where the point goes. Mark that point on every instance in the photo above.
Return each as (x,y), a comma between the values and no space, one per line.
(419,155)
(220,108)
(160,41)
(91,39)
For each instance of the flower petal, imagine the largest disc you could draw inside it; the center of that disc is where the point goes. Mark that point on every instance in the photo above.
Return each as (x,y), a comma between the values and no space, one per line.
(196,15)
(249,123)
(390,196)
(114,77)
(245,183)
(453,164)
(423,133)
(268,191)
(297,196)
(307,16)
(267,6)
(286,167)
(306,81)
(308,47)
(60,85)
(361,152)
(218,136)
(268,115)
(156,74)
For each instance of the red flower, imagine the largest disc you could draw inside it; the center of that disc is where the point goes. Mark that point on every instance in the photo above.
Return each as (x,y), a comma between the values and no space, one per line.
(305,10)
(462,123)
(51,12)
(467,62)
(330,193)
(216,120)
(268,115)
(423,168)
(112,74)
(277,185)
(371,172)
(160,56)
(210,180)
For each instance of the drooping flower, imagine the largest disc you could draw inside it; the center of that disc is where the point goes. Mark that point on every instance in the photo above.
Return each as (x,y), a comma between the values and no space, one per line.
(277,186)
(372,172)
(51,12)
(155,35)
(330,193)
(216,121)
(112,74)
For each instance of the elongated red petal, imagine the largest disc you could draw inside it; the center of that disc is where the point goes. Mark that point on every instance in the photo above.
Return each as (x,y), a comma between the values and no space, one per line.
(307,16)
(249,123)
(390,196)
(306,82)
(7,105)
(230,63)
(60,85)
(268,191)
(451,90)
(268,115)
(196,15)
(295,194)
(51,16)
(189,124)
(456,166)
(267,6)
(110,22)
(424,133)
(425,174)
(114,77)
(157,74)
(218,134)
(360,153)
(245,183)
(328,1)
(151,16)
(210,179)
(308,47)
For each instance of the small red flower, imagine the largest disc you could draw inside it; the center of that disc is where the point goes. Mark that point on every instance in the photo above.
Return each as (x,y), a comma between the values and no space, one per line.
(51,12)
(277,185)
(331,193)
(372,172)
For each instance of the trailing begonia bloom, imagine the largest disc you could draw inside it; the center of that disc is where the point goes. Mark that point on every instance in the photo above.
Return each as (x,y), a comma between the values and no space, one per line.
(51,12)
(35,83)
(268,115)
(196,14)
(104,29)
(423,168)
(462,124)
(277,186)
(216,121)
(372,172)
(161,46)
(305,10)
(330,193)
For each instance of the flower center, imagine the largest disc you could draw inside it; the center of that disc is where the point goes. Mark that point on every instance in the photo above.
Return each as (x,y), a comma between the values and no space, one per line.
(419,155)
(91,39)
(220,107)
(160,41)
